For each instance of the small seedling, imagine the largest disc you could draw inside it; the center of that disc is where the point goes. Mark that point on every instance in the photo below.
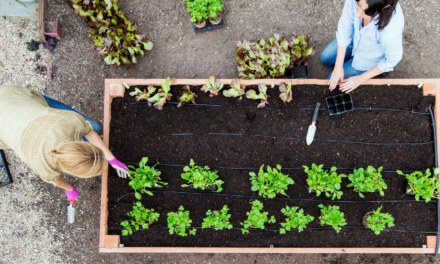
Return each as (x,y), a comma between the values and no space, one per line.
(139,217)
(218,219)
(378,221)
(213,86)
(143,95)
(286,91)
(215,8)
(332,216)
(198,10)
(236,90)
(201,177)
(256,218)
(144,177)
(179,221)
(296,219)
(368,180)
(423,185)
(161,97)
(321,181)
(251,94)
(187,96)
(270,183)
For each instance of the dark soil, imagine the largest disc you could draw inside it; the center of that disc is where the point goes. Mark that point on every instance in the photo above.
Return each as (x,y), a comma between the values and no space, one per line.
(138,130)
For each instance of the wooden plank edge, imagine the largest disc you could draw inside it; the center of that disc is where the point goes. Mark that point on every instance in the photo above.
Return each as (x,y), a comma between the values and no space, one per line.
(429,89)
(112,241)
(437,121)
(117,90)
(42,11)
(431,241)
(269,250)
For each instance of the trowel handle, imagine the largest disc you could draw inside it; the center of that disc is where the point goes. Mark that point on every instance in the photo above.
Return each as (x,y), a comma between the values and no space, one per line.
(72,202)
(315,115)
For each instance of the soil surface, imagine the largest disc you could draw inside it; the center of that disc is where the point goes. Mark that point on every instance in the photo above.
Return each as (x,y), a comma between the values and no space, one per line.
(138,130)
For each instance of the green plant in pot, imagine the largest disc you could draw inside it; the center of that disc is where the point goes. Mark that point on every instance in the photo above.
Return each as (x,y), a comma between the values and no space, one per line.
(425,185)
(377,221)
(321,181)
(215,9)
(369,180)
(199,12)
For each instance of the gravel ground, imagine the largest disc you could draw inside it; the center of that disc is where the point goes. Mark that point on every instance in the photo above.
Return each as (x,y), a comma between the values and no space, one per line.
(33,214)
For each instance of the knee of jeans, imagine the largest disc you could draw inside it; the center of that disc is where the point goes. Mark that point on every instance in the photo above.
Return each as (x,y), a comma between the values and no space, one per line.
(325,59)
(96,127)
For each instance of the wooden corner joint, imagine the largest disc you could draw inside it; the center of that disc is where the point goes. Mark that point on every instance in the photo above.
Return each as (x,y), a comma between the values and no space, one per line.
(112,241)
(431,241)
(117,90)
(430,89)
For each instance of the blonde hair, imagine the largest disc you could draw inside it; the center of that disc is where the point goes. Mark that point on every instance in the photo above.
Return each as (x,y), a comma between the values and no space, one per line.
(80,159)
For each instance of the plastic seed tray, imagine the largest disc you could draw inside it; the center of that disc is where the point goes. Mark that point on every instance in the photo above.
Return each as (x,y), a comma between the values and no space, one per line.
(209,26)
(298,72)
(339,104)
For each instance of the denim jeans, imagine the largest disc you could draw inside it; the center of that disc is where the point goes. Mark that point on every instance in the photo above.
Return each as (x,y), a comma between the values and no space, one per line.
(58,105)
(328,58)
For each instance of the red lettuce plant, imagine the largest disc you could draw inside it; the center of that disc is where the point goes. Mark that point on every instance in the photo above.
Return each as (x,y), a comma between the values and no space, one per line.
(187,96)
(251,94)
(236,90)
(213,86)
(143,95)
(161,97)
(286,91)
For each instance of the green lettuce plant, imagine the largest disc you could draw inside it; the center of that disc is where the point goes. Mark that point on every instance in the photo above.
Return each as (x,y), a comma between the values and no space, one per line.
(270,183)
(251,94)
(163,95)
(215,8)
(143,95)
(187,96)
(114,36)
(332,216)
(423,185)
(198,9)
(321,181)
(295,219)
(202,178)
(140,216)
(236,90)
(213,86)
(286,91)
(378,221)
(144,177)
(218,219)
(256,218)
(179,222)
(368,180)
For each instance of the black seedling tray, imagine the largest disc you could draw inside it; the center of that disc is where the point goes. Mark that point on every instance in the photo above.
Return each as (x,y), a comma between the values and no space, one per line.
(5,174)
(339,104)
(297,72)
(209,26)
(407,189)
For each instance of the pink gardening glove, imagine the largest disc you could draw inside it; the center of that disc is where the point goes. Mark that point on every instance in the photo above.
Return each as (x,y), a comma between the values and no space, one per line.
(73,194)
(120,168)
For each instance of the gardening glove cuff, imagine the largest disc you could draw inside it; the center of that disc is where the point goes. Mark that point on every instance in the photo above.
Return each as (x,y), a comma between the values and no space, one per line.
(120,168)
(73,194)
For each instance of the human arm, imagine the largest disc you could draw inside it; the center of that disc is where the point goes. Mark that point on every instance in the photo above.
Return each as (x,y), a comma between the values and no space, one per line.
(353,82)
(71,192)
(338,71)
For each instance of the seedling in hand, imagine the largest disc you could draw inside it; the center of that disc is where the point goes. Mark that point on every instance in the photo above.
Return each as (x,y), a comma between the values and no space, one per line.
(423,185)
(296,219)
(332,216)
(217,219)
(321,181)
(144,177)
(270,183)
(202,178)
(179,222)
(256,218)
(251,94)
(140,216)
(368,180)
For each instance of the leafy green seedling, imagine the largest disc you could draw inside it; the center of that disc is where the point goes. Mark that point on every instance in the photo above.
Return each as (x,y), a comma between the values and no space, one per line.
(270,183)
(368,180)
(161,97)
(201,177)
(423,185)
(378,221)
(218,219)
(300,49)
(236,90)
(187,96)
(256,218)
(179,221)
(251,94)
(296,219)
(140,216)
(213,86)
(321,181)
(215,8)
(198,10)
(143,95)
(144,177)
(286,91)
(332,216)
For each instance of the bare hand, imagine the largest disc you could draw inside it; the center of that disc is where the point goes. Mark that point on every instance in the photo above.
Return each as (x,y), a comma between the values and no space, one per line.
(337,75)
(350,84)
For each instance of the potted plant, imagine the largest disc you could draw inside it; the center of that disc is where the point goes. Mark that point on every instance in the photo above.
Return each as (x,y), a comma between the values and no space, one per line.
(296,219)
(144,177)
(377,221)
(179,221)
(369,180)
(140,216)
(199,12)
(251,94)
(321,181)
(256,218)
(201,178)
(215,9)
(423,185)
(219,219)
(332,216)
(270,183)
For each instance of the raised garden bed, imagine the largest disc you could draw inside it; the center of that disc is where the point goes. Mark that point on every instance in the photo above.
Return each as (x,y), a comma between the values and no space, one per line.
(137,130)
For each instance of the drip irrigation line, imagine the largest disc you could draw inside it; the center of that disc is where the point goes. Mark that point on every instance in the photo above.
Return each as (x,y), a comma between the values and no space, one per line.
(436,165)
(372,109)
(182,134)
(224,134)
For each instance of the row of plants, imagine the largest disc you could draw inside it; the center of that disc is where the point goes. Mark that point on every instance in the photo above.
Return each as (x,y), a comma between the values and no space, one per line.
(180,222)
(114,36)
(270,182)
(201,10)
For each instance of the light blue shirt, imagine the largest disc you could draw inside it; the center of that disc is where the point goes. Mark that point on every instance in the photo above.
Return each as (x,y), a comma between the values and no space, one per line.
(371,47)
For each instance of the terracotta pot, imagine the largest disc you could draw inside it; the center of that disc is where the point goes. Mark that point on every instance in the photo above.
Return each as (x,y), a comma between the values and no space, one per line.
(216,21)
(200,25)
(364,219)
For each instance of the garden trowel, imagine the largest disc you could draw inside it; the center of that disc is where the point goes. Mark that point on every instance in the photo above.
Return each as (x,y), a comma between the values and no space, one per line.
(312,127)
(71,212)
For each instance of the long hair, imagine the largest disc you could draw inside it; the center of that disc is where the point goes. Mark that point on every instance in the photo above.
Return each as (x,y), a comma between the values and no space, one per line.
(80,159)
(383,8)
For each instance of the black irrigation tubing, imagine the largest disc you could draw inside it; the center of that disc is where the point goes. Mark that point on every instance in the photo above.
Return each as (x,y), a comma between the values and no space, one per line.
(213,105)
(372,109)
(291,230)
(276,198)
(438,202)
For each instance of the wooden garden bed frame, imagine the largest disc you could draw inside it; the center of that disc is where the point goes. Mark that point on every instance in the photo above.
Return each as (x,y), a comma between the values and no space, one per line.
(110,243)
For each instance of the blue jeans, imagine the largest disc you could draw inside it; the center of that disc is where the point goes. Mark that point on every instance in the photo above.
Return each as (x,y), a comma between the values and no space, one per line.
(328,58)
(58,105)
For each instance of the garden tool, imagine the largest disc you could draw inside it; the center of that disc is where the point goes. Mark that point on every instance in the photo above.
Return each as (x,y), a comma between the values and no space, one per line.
(71,212)
(312,127)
